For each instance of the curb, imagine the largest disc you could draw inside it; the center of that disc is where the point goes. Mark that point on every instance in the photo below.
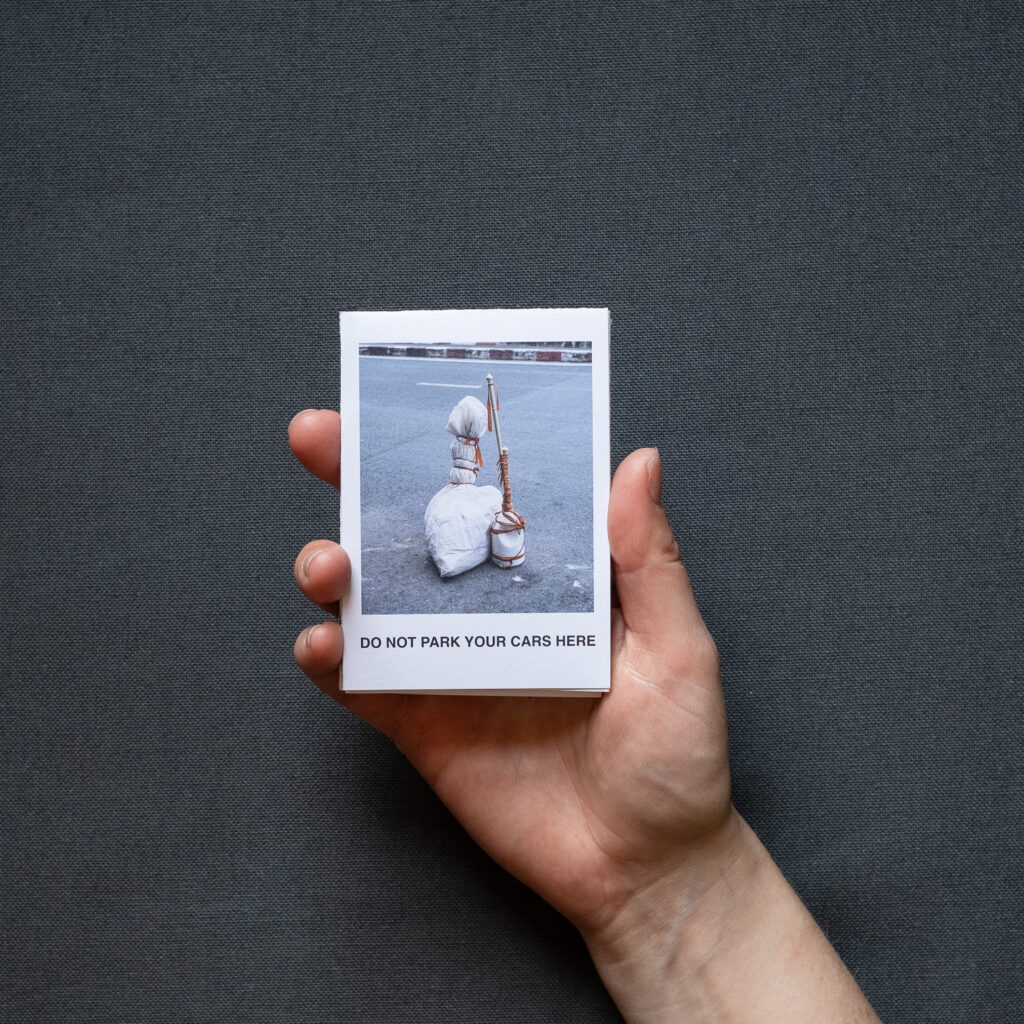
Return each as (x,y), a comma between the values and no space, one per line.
(540,355)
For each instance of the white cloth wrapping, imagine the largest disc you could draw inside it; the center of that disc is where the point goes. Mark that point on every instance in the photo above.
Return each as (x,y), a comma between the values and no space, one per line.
(458,519)
(508,544)
(468,420)
(457,523)
(464,464)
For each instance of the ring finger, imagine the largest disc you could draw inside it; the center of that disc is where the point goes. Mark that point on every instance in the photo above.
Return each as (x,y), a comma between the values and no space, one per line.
(322,572)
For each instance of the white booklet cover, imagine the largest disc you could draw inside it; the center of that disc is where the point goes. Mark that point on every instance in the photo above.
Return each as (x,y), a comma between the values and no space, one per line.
(477,567)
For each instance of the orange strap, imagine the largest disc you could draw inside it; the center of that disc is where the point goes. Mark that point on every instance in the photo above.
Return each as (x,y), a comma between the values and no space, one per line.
(513,521)
(509,522)
(473,442)
(509,559)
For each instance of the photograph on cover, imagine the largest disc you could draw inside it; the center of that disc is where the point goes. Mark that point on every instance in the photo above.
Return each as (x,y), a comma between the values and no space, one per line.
(476,490)
(474,501)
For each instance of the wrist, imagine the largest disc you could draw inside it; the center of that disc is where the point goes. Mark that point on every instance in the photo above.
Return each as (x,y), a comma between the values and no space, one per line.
(720,936)
(664,951)
(677,903)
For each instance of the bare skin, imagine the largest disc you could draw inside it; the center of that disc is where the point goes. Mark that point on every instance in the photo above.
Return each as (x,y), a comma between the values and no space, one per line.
(617,811)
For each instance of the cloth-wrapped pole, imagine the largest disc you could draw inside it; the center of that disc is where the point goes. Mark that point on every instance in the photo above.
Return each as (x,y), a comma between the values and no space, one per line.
(508,531)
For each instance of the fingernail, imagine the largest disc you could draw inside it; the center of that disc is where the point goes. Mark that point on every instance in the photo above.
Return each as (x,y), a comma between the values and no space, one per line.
(654,476)
(309,560)
(309,636)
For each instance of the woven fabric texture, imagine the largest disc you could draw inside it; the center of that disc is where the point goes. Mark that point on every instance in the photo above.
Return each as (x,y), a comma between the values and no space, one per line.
(806,220)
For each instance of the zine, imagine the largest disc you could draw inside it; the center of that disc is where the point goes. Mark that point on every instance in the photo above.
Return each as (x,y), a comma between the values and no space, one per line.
(474,499)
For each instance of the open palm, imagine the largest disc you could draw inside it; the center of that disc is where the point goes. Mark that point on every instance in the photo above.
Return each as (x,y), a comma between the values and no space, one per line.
(580,798)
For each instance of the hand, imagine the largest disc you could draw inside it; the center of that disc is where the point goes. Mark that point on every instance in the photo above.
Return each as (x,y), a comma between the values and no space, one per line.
(616,810)
(580,798)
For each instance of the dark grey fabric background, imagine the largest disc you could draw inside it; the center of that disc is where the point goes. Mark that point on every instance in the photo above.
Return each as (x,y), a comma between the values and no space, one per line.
(807,222)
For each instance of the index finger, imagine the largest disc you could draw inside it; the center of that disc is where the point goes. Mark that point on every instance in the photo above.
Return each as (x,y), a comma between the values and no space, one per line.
(315,438)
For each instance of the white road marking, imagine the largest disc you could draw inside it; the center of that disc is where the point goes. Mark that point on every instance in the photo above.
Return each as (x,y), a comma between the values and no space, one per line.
(431,384)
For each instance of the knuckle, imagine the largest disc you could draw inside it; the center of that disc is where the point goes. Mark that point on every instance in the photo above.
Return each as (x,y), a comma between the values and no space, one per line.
(668,547)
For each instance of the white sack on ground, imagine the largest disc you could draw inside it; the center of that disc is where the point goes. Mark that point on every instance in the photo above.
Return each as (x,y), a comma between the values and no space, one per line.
(457,523)
(458,519)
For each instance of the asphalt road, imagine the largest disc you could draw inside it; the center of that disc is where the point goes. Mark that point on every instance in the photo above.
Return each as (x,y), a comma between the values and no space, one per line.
(546,426)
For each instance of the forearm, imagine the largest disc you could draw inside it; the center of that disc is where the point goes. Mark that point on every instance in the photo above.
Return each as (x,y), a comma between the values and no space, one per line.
(722,937)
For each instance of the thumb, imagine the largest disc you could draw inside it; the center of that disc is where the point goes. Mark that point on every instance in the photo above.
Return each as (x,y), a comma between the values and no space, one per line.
(654,591)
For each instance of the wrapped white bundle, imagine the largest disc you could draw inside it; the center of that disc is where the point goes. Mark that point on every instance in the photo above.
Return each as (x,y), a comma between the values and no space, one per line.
(508,539)
(458,519)
(457,522)
(467,422)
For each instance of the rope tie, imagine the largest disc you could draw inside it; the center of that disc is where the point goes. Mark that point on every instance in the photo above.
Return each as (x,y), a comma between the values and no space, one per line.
(473,442)
(508,522)
(509,558)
